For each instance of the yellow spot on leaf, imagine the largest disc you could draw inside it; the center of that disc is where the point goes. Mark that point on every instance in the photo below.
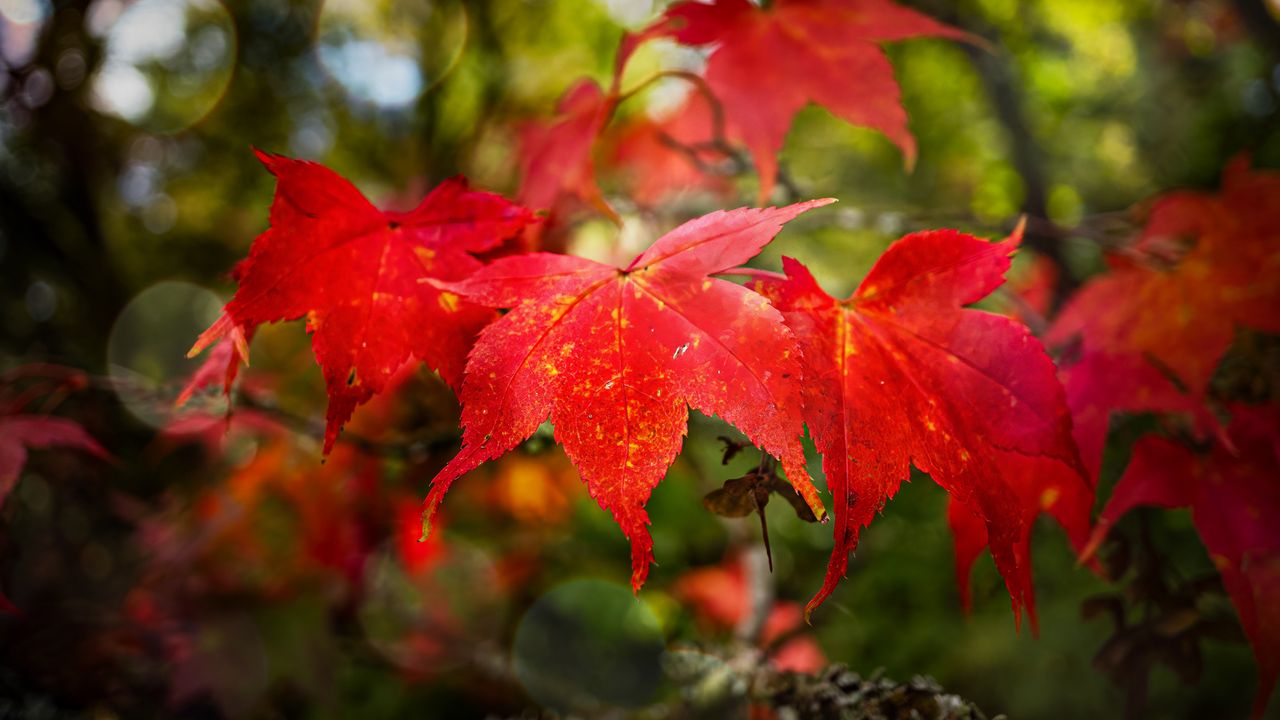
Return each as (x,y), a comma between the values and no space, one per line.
(448,302)
(1049,498)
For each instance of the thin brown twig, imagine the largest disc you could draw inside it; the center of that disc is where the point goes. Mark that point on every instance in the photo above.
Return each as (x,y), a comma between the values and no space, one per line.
(411,448)
(1029,315)
(719,141)
(760,594)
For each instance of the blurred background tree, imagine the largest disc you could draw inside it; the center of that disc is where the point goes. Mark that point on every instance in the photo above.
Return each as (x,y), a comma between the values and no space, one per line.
(238,576)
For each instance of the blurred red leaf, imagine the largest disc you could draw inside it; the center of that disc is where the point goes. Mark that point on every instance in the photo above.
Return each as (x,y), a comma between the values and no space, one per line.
(718,597)
(22,433)
(1100,382)
(660,157)
(415,554)
(1203,266)
(556,156)
(768,63)
(557,163)
(1234,500)
(800,653)
(329,510)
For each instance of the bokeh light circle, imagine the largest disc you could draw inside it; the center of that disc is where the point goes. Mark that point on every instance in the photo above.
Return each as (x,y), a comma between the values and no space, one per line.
(24,12)
(434,616)
(146,351)
(166,63)
(388,54)
(588,645)
(21,22)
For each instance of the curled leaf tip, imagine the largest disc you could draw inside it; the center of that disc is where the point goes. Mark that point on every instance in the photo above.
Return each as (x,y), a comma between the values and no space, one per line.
(1020,228)
(1095,541)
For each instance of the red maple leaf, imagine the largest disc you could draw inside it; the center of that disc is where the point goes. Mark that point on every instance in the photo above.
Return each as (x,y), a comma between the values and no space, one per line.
(21,433)
(769,63)
(900,374)
(614,355)
(1234,500)
(354,272)
(1203,266)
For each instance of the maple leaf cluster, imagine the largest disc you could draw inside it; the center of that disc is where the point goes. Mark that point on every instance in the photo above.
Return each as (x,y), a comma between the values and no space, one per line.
(764,65)
(901,374)
(1009,413)
(614,356)
(1147,336)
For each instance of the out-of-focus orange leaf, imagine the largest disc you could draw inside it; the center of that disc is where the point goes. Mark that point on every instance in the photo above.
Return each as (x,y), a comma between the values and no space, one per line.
(1204,265)
(535,490)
